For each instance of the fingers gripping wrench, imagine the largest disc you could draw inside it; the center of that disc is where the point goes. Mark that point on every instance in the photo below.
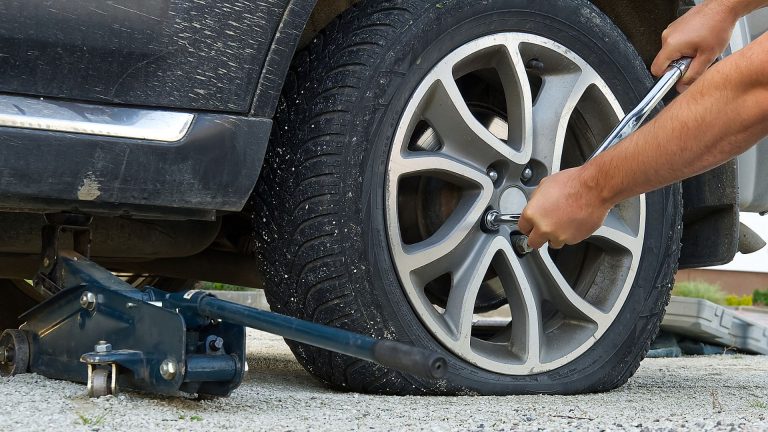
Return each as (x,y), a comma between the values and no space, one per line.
(630,123)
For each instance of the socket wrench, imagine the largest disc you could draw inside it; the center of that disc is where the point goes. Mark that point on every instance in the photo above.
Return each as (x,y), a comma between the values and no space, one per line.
(493,219)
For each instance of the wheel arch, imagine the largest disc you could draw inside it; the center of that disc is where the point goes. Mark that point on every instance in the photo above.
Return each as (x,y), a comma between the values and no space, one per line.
(642,23)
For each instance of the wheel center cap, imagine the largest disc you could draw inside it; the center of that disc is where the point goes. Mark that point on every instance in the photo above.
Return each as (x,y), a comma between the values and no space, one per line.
(513,200)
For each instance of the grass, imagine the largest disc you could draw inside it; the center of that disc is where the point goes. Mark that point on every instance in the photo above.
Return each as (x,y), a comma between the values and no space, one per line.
(717,406)
(755,403)
(218,286)
(96,421)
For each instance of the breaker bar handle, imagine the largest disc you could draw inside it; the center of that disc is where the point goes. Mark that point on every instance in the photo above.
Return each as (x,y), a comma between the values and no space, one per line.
(632,121)
(407,358)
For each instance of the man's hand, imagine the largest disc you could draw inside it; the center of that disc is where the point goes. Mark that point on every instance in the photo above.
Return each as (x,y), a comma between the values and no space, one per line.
(565,209)
(702,33)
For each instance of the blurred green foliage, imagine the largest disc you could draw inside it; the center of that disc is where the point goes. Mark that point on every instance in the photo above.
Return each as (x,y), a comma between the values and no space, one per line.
(702,290)
(760,297)
(734,300)
(218,286)
(715,294)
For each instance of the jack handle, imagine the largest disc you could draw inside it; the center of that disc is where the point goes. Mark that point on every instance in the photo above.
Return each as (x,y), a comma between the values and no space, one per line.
(396,355)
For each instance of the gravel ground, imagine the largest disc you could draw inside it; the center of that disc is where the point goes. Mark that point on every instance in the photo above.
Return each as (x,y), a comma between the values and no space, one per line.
(694,393)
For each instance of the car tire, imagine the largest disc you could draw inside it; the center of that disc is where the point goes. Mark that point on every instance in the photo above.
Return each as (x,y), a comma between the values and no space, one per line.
(326,234)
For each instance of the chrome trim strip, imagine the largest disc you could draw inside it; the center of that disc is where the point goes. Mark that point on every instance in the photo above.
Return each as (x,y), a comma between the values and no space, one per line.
(103,120)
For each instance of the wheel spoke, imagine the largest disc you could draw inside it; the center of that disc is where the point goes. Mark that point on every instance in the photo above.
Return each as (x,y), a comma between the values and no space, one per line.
(463,220)
(552,111)
(615,232)
(517,91)
(463,136)
(467,278)
(523,304)
(442,252)
(441,166)
(545,275)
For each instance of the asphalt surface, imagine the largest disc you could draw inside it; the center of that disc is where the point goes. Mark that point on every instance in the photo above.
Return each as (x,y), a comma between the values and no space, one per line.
(694,393)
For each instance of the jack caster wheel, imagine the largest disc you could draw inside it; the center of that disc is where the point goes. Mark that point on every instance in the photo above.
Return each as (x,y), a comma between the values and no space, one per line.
(14,353)
(100,382)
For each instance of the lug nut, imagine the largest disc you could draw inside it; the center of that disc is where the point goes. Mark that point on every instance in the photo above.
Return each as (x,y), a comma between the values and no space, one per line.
(493,174)
(88,300)
(520,245)
(527,174)
(490,223)
(168,369)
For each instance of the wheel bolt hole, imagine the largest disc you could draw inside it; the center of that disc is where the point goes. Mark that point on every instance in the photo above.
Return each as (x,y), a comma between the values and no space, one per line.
(535,65)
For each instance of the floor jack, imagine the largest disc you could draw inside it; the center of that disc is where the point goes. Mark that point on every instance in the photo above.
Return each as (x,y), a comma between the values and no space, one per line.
(97,329)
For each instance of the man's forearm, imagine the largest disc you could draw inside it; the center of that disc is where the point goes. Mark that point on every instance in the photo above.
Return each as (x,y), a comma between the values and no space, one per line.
(742,7)
(723,114)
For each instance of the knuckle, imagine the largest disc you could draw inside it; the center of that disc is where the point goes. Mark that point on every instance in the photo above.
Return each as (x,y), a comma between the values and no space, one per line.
(528,214)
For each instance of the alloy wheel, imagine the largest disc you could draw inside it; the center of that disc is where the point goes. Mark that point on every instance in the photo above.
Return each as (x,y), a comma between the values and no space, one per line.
(482,129)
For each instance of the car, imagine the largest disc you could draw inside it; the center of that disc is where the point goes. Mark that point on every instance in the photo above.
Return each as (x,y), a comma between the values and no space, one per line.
(341,155)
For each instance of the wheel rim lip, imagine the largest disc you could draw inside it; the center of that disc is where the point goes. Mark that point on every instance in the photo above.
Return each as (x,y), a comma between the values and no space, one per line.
(426,312)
